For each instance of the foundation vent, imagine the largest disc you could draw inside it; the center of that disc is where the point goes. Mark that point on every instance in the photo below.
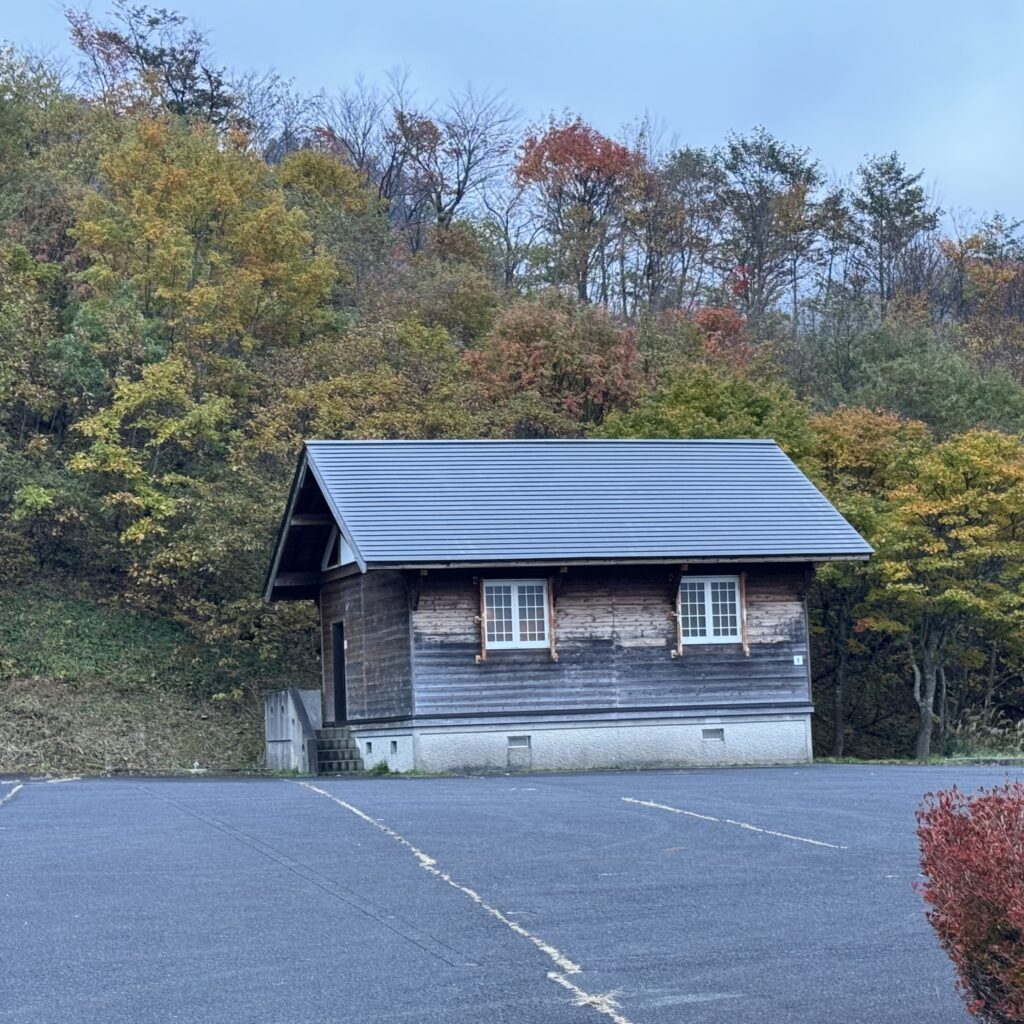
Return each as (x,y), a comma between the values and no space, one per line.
(520,752)
(714,735)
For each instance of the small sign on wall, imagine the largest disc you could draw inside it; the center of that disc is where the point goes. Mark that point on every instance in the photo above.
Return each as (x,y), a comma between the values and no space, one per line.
(798,659)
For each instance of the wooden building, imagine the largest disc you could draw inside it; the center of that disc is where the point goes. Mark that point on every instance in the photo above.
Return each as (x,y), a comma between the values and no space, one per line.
(560,604)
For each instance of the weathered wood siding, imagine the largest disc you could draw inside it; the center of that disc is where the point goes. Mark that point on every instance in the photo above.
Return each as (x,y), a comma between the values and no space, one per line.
(615,633)
(374,608)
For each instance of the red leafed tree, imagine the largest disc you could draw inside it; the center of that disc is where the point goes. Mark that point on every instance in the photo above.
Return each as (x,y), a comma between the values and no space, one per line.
(581,178)
(725,335)
(972,856)
(555,367)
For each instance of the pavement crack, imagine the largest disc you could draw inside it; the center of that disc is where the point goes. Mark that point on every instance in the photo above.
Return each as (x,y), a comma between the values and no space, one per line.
(603,1004)
(421,940)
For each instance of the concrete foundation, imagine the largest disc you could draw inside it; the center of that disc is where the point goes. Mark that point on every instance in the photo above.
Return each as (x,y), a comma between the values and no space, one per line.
(542,746)
(291,718)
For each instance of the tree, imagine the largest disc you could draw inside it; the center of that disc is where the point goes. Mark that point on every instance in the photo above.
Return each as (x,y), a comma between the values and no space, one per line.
(552,368)
(893,211)
(344,215)
(705,400)
(195,229)
(675,220)
(580,177)
(767,196)
(152,60)
(456,152)
(858,457)
(950,551)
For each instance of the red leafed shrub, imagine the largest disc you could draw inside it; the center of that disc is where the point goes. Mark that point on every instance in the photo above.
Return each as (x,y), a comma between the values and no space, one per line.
(972,855)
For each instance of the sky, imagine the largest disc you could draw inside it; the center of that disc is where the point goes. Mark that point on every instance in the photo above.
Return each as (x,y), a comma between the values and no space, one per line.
(941,82)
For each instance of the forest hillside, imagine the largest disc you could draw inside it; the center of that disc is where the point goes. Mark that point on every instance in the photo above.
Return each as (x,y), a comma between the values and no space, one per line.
(199,268)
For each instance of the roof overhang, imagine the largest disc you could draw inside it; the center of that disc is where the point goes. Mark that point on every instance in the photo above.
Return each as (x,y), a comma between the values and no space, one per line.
(667,560)
(304,582)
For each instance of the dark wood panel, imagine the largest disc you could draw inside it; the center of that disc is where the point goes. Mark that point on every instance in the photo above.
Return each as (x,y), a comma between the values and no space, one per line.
(615,636)
(375,610)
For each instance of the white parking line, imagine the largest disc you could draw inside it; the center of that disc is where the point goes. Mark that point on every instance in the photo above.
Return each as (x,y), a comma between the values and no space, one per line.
(9,795)
(730,821)
(603,1003)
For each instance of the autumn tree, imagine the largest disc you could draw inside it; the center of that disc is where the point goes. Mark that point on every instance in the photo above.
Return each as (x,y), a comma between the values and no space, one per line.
(709,400)
(580,178)
(988,264)
(196,231)
(457,151)
(554,367)
(673,221)
(152,59)
(950,548)
(858,458)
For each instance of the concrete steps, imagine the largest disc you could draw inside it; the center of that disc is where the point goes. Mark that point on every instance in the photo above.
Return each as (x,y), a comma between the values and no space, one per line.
(337,752)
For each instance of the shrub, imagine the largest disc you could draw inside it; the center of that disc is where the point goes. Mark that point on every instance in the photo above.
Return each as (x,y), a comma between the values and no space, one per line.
(975,734)
(972,856)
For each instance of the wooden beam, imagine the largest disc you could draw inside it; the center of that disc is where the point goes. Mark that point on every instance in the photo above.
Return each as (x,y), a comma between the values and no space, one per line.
(297,579)
(743,614)
(482,620)
(677,651)
(339,572)
(302,519)
(551,618)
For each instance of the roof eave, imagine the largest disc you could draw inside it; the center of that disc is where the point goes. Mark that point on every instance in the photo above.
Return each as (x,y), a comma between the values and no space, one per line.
(282,530)
(339,519)
(468,563)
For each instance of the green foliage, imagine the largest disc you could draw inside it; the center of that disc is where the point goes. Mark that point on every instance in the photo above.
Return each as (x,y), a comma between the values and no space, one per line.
(178,312)
(76,640)
(710,402)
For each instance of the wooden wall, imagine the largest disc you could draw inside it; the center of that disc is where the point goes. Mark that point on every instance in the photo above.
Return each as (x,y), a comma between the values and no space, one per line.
(614,635)
(374,608)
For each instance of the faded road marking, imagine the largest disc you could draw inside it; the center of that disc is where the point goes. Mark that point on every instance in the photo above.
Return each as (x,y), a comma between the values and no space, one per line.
(64,778)
(730,821)
(603,1003)
(12,792)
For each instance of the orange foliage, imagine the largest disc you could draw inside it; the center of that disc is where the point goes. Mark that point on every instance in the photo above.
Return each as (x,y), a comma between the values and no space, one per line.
(576,159)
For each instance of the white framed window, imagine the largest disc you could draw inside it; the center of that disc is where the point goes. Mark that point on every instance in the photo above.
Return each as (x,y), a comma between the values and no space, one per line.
(709,610)
(516,613)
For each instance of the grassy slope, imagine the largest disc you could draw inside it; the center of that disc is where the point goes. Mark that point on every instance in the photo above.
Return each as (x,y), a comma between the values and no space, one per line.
(85,687)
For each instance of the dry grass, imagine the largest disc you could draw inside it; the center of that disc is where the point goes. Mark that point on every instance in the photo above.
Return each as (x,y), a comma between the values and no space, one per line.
(88,687)
(49,727)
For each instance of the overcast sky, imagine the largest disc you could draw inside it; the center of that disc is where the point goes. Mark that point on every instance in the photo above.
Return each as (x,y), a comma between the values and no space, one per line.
(942,82)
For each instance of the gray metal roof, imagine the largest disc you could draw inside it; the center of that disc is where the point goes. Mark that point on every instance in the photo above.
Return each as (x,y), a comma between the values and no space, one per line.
(405,502)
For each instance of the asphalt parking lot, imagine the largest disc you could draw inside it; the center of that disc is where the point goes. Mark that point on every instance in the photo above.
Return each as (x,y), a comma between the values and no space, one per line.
(706,896)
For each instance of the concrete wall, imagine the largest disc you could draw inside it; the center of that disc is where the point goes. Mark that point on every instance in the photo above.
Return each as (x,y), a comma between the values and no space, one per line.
(539,746)
(290,718)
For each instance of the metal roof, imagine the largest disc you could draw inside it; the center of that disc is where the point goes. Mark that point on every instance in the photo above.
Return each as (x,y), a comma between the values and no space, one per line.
(411,502)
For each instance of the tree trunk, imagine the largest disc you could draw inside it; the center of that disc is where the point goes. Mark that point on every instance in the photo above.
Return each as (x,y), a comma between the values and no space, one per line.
(838,707)
(943,709)
(990,683)
(925,680)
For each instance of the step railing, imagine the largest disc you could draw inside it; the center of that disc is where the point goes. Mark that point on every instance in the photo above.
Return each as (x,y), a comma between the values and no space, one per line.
(291,718)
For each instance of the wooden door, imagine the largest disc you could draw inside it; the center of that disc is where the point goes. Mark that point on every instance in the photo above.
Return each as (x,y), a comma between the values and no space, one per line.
(338,672)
